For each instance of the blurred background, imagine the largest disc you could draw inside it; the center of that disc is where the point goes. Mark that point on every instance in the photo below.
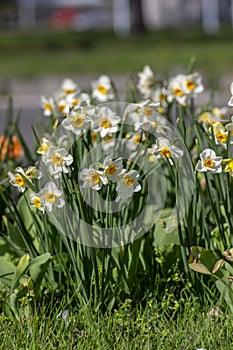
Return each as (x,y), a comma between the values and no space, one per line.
(44,41)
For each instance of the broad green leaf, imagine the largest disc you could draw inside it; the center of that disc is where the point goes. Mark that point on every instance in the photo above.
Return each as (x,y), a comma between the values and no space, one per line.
(20,270)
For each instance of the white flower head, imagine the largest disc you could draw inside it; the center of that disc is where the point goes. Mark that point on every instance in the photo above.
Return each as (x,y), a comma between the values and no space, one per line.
(127,185)
(230,103)
(51,196)
(36,201)
(77,121)
(192,84)
(106,121)
(220,134)
(76,101)
(93,178)
(134,140)
(68,87)
(112,168)
(30,173)
(48,105)
(165,149)
(45,145)
(143,115)
(17,180)
(146,82)
(57,160)
(209,162)
(102,89)
(175,90)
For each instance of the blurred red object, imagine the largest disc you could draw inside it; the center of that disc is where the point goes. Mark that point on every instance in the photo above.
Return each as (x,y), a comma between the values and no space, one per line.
(63,18)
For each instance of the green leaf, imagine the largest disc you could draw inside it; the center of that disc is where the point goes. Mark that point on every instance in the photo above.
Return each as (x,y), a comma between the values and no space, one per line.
(20,270)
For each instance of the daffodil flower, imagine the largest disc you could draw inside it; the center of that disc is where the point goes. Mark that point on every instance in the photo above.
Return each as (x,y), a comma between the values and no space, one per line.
(57,160)
(220,134)
(92,178)
(165,149)
(209,162)
(112,168)
(45,145)
(230,103)
(102,89)
(36,201)
(77,121)
(229,166)
(50,196)
(17,180)
(106,121)
(48,105)
(146,82)
(127,185)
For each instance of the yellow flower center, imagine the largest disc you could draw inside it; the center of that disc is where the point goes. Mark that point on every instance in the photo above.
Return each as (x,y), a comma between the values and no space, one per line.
(77,121)
(50,197)
(102,89)
(111,169)
(137,139)
(69,91)
(165,152)
(128,181)
(94,137)
(75,102)
(221,137)
(178,92)
(37,202)
(19,181)
(48,107)
(105,123)
(61,106)
(208,162)
(57,159)
(148,112)
(94,178)
(190,85)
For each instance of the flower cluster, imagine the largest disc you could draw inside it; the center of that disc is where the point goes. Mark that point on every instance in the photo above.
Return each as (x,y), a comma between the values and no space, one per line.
(179,88)
(111,171)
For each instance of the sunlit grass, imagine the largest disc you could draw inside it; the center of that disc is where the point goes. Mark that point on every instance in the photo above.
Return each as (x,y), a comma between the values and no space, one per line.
(70,53)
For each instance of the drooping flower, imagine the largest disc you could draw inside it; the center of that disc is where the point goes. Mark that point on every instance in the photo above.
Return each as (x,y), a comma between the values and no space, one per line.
(93,178)
(112,168)
(57,160)
(209,162)
(165,149)
(127,185)
(102,89)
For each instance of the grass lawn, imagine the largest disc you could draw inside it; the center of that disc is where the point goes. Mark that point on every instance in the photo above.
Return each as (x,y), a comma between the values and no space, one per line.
(28,54)
(152,327)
